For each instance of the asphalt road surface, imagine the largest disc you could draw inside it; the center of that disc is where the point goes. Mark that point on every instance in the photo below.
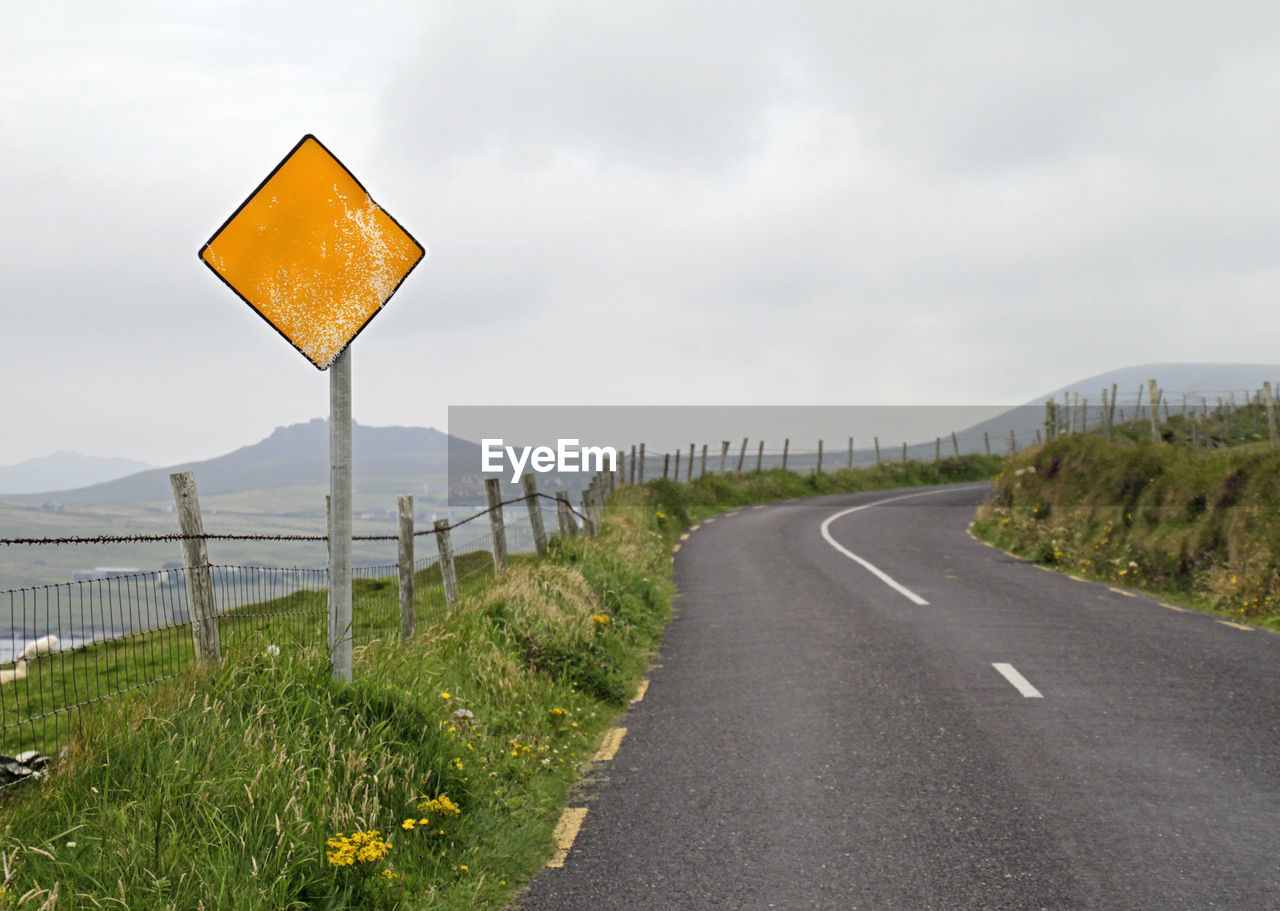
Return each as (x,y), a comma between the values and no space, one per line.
(813,736)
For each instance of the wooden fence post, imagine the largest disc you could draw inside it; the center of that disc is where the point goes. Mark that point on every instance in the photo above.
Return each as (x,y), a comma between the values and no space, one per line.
(724,454)
(497,530)
(937,449)
(404,516)
(642,463)
(204,622)
(818,470)
(760,457)
(448,571)
(633,464)
(742,454)
(688,472)
(986,441)
(675,474)
(955,444)
(877,439)
(850,465)
(534,502)
(564,516)
(1013,443)
(786,447)
(702,470)
(904,450)
(1154,398)
(1271,412)
(1106,429)
(666,465)
(588,513)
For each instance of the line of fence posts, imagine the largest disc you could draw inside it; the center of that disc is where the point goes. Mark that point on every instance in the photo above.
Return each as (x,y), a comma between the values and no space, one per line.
(202,607)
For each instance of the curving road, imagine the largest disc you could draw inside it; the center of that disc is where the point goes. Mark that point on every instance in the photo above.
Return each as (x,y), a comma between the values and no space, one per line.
(864,708)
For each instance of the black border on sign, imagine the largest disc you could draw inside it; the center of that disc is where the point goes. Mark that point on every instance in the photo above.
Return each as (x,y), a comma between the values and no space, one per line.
(248,199)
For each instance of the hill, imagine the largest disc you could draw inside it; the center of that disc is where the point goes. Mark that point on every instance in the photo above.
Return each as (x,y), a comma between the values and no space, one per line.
(1177,380)
(62,470)
(293,456)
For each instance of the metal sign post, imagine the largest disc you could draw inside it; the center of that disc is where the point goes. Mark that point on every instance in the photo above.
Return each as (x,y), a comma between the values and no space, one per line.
(340,614)
(317,258)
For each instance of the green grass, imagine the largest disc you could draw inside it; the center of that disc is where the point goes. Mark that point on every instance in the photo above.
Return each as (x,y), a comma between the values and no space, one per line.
(222,789)
(1195,525)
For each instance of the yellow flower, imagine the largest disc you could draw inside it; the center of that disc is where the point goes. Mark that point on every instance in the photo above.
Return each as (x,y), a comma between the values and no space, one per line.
(602,619)
(445,696)
(408,825)
(360,847)
(441,806)
(558,712)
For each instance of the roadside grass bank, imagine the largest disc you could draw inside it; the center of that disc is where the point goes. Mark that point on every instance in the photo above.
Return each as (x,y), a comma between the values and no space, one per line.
(261,783)
(433,780)
(1201,527)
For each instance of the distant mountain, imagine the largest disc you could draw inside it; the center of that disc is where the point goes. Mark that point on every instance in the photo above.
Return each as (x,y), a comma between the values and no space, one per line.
(1175,380)
(290,456)
(63,470)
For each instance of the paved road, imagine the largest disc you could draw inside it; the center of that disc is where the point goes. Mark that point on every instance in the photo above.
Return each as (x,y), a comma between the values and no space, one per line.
(812,737)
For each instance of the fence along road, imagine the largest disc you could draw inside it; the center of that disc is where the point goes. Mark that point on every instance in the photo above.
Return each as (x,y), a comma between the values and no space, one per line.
(811,738)
(70,646)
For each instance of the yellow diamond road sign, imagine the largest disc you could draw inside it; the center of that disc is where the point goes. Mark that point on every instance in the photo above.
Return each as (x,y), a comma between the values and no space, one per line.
(312,252)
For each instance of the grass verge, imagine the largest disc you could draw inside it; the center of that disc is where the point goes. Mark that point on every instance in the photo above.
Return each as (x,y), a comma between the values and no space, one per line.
(432,780)
(1194,526)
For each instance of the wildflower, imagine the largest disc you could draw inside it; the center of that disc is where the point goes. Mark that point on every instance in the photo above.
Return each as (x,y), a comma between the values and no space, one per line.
(661,515)
(462,867)
(559,712)
(441,806)
(273,651)
(408,824)
(359,847)
(71,844)
(387,874)
(445,696)
(602,619)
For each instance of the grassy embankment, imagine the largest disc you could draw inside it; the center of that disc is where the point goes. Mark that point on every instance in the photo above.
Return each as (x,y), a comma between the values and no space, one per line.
(238,787)
(1194,525)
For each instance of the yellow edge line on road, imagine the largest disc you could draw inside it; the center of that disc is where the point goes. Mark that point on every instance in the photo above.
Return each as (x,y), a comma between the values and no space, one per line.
(609,746)
(1247,629)
(644,688)
(566,831)
(1181,610)
(761,506)
(708,521)
(685,536)
(1121,591)
(693,528)
(675,549)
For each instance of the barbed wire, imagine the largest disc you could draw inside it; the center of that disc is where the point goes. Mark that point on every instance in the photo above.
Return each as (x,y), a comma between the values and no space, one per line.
(178,536)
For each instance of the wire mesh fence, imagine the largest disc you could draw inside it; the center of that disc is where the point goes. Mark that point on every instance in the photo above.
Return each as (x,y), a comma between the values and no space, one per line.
(70,645)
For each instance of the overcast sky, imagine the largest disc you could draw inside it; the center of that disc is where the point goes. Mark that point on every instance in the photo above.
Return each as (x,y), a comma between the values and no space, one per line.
(644,203)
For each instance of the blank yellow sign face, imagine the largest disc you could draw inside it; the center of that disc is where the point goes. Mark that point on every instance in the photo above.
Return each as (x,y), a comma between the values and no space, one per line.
(312,252)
